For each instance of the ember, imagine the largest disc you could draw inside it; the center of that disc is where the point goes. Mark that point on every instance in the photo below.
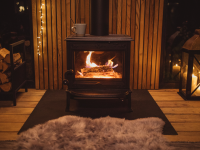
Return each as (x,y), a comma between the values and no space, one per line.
(93,70)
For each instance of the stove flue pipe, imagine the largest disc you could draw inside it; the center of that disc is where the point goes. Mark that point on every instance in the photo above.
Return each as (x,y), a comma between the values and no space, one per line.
(99,17)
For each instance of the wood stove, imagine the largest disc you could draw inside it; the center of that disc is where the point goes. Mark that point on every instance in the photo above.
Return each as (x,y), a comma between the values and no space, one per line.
(98,67)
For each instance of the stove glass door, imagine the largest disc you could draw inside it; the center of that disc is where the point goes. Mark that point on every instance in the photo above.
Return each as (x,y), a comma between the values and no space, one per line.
(98,64)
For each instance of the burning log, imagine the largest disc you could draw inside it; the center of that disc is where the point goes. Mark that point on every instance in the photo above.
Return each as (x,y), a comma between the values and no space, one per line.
(99,72)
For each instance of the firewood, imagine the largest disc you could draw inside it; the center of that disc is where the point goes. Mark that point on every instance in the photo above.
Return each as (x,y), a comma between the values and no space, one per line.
(3,53)
(1,65)
(16,56)
(5,77)
(6,66)
(6,87)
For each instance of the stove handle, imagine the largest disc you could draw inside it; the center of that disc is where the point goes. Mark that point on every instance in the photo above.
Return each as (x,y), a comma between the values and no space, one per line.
(68,76)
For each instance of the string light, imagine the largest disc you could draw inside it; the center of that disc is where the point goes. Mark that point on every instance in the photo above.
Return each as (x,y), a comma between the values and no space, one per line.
(39,38)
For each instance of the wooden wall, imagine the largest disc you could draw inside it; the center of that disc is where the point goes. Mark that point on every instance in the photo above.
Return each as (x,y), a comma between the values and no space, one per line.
(141,19)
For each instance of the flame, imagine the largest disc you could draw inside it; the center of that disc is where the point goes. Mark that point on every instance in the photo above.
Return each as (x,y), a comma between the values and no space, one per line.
(93,70)
(88,63)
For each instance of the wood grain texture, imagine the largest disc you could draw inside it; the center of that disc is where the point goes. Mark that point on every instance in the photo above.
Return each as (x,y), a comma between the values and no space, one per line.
(40,41)
(123,16)
(160,22)
(150,43)
(59,42)
(141,43)
(187,125)
(50,49)
(34,20)
(82,11)
(13,118)
(87,16)
(128,17)
(119,17)
(140,19)
(65,33)
(114,15)
(54,42)
(110,16)
(136,53)
(8,136)
(155,38)
(45,53)
(145,51)
(132,44)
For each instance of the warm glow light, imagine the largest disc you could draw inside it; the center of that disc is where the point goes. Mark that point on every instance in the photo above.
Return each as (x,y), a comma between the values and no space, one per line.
(93,70)
(41,29)
(21,8)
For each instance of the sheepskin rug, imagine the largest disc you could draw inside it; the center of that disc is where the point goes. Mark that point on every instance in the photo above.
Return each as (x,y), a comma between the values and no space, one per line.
(106,133)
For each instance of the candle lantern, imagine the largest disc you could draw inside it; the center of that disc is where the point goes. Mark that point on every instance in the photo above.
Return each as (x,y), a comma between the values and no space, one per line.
(190,68)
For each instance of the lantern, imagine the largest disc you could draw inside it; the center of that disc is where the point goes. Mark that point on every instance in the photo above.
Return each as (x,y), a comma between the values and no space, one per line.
(190,68)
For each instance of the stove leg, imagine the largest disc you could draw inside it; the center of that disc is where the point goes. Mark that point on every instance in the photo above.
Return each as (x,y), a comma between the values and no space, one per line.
(68,102)
(129,102)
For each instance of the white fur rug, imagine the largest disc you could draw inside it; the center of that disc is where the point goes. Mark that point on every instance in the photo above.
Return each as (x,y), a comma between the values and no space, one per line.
(107,133)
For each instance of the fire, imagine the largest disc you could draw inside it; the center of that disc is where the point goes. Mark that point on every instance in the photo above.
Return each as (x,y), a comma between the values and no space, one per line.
(88,63)
(93,70)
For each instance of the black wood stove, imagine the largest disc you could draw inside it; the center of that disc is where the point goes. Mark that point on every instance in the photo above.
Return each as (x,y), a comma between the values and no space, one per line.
(98,64)
(98,67)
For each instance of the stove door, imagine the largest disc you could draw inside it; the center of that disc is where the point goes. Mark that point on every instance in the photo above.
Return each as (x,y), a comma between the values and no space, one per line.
(100,67)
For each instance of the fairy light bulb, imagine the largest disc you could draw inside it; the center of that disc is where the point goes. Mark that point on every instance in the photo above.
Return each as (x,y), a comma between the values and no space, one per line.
(39,37)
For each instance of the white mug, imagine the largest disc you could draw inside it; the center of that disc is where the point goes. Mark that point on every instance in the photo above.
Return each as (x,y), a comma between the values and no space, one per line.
(79,29)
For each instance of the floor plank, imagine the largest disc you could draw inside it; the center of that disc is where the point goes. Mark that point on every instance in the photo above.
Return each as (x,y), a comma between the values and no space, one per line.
(13,118)
(193,127)
(183,118)
(183,115)
(10,126)
(24,111)
(19,104)
(181,104)
(181,111)
(11,135)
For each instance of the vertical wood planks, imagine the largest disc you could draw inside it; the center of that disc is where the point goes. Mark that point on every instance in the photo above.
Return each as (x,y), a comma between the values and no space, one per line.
(114,15)
(73,13)
(59,50)
(140,19)
(46,79)
(137,31)
(54,41)
(78,11)
(49,33)
(150,42)
(132,44)
(40,35)
(161,8)
(82,11)
(110,16)
(36,64)
(123,16)
(87,15)
(128,17)
(64,34)
(119,17)
(141,42)
(146,36)
(155,38)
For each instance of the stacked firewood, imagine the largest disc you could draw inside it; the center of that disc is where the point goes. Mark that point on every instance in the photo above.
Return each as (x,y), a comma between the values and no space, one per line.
(5,68)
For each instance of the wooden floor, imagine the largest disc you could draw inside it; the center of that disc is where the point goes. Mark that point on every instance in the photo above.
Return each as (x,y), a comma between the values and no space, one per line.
(183,115)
